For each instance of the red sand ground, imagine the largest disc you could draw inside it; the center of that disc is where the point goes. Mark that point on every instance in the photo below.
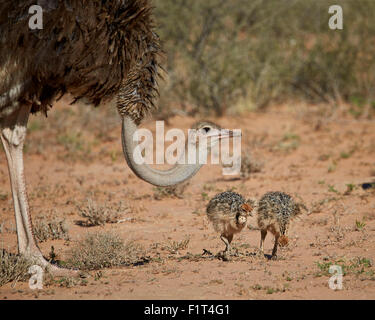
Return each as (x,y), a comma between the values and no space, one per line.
(303,153)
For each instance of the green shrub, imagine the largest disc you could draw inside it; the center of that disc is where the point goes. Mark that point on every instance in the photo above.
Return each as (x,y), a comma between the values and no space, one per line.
(219,52)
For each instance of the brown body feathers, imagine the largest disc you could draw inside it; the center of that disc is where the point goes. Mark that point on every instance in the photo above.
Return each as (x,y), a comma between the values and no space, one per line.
(93,49)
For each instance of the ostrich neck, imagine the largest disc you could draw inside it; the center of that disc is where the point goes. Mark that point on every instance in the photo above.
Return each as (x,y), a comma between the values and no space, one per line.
(177,174)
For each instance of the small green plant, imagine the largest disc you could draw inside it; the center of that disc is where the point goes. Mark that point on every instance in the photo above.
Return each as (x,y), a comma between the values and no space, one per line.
(323,157)
(68,282)
(324,267)
(288,143)
(348,154)
(98,275)
(114,155)
(331,188)
(355,266)
(332,167)
(3,196)
(345,155)
(257,287)
(209,187)
(204,196)
(349,189)
(52,256)
(359,225)
(271,290)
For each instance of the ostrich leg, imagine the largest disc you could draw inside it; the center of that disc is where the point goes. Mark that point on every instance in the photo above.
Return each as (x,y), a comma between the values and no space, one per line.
(13,133)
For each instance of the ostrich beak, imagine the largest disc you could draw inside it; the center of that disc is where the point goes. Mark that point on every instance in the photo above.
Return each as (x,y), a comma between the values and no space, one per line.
(225,134)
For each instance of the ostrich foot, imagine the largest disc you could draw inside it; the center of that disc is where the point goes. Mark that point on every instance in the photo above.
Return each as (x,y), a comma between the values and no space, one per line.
(234,252)
(224,255)
(259,253)
(62,272)
(38,259)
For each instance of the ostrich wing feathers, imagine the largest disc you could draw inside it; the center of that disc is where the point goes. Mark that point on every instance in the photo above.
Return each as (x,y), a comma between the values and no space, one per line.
(89,48)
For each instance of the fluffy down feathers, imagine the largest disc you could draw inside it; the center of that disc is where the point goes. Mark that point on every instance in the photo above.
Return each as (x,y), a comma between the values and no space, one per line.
(228,212)
(276,209)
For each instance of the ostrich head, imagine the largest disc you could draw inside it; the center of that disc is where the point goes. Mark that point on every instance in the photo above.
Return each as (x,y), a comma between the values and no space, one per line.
(243,212)
(246,209)
(207,130)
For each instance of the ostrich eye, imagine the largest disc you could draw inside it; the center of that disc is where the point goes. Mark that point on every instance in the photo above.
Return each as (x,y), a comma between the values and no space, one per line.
(206,129)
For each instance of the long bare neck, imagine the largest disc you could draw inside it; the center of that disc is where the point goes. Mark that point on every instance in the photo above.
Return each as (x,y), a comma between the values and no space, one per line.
(177,174)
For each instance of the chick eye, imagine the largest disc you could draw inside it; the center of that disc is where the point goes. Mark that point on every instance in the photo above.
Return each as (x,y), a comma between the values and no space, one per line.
(206,129)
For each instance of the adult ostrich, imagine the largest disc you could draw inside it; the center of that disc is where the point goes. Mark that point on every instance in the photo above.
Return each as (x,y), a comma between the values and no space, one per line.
(93,49)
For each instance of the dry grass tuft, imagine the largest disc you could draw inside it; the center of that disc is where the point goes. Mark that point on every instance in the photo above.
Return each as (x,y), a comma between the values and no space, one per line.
(98,215)
(54,229)
(175,246)
(104,250)
(176,191)
(249,165)
(13,267)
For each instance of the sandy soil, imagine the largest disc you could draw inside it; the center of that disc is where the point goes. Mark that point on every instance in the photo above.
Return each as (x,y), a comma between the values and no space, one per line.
(304,153)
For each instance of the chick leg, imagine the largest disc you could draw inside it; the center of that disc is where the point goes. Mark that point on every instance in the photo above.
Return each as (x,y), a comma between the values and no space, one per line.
(263,234)
(230,238)
(274,251)
(227,240)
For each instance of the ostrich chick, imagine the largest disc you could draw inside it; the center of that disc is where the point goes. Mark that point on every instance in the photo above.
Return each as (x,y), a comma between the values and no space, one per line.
(275,211)
(228,212)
